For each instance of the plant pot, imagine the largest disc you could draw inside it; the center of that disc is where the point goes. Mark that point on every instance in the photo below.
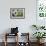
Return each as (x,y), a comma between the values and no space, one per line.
(40,41)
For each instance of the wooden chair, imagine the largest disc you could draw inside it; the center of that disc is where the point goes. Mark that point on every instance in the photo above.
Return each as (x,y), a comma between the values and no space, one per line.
(8,34)
(26,37)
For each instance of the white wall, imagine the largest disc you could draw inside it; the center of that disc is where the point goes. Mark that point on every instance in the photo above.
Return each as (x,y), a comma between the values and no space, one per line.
(23,24)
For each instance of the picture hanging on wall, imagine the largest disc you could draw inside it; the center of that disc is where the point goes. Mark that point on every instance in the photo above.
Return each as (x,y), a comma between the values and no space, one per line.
(17,13)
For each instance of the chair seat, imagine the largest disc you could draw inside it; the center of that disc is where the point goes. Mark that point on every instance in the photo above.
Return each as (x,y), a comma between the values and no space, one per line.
(9,34)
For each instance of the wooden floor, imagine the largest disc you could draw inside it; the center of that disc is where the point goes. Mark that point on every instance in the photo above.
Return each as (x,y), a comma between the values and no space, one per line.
(13,44)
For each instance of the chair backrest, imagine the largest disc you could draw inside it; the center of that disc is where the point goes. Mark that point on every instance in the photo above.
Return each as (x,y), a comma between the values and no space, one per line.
(14,30)
(24,37)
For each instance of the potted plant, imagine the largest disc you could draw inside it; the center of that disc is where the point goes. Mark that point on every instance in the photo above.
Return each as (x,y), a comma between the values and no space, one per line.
(39,35)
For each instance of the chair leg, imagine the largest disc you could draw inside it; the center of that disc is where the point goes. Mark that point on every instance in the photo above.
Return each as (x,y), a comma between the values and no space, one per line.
(5,43)
(5,39)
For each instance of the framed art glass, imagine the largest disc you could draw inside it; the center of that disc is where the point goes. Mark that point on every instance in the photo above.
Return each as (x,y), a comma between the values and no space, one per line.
(17,13)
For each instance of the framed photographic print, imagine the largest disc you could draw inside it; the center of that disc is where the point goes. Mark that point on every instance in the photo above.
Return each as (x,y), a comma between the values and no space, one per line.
(17,13)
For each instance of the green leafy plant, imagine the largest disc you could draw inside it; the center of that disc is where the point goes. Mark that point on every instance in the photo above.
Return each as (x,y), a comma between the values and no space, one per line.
(39,35)
(35,27)
(40,27)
